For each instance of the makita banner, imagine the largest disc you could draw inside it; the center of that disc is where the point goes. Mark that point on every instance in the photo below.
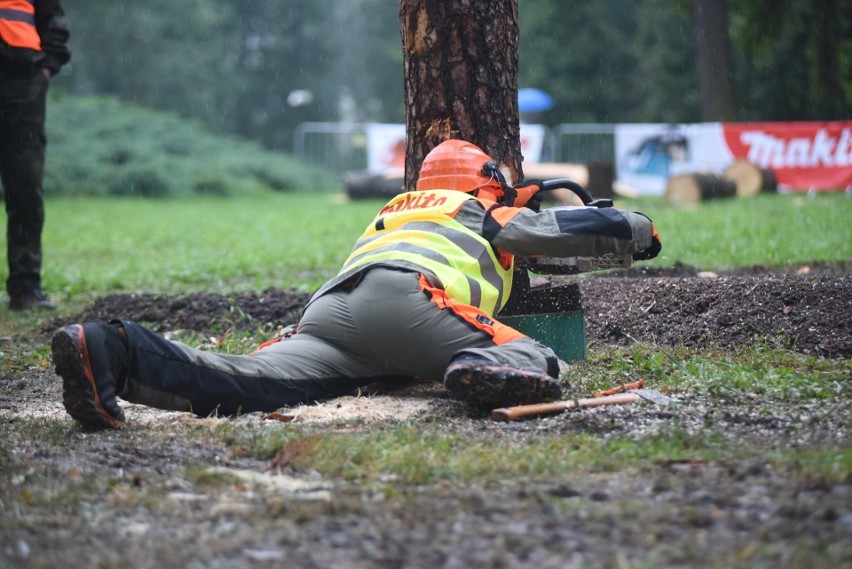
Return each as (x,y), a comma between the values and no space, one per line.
(802,155)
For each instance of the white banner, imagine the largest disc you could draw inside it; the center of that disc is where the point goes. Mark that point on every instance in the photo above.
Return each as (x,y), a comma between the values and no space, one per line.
(648,154)
(386,145)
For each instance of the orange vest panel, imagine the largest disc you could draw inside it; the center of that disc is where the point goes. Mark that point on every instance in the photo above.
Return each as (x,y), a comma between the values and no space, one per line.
(17,24)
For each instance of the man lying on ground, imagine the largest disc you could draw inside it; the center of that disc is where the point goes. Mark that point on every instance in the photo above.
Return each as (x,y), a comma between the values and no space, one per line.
(415,299)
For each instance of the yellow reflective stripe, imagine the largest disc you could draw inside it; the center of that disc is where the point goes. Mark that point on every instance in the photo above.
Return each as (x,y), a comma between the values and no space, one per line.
(427,252)
(464,267)
(414,236)
(454,282)
(419,229)
(454,243)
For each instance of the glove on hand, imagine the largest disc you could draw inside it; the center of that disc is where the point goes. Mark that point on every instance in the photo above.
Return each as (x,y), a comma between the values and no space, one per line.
(655,247)
(529,197)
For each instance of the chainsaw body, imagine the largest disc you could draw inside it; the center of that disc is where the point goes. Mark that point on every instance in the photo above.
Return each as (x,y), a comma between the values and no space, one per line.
(575,265)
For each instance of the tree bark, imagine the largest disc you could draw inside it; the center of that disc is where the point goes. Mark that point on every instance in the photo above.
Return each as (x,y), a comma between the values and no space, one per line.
(712,58)
(461,79)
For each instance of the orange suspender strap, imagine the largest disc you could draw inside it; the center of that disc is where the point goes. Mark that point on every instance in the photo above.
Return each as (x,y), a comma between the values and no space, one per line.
(268,343)
(17,24)
(282,336)
(500,333)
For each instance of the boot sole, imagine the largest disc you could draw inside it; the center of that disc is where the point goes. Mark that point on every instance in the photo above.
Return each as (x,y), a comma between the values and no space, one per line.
(496,386)
(79,392)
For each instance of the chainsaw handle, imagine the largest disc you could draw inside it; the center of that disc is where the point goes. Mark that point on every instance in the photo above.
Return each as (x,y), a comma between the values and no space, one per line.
(581,192)
(539,409)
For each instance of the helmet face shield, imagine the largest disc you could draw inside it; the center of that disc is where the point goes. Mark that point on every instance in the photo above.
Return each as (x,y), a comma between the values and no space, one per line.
(458,165)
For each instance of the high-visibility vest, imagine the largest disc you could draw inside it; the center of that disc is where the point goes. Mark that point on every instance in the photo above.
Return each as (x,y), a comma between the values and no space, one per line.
(419,229)
(17,24)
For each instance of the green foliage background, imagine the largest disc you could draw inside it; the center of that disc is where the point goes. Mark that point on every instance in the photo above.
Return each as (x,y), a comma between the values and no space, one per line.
(232,64)
(101,146)
(227,67)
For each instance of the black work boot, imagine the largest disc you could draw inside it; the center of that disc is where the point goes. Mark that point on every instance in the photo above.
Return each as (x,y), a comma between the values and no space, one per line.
(34,299)
(92,360)
(485,384)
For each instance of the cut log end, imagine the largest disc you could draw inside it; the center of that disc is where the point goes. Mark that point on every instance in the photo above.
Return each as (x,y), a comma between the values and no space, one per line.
(686,189)
(365,185)
(750,179)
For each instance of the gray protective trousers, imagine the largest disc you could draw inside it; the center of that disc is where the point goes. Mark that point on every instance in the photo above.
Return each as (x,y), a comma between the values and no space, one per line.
(384,328)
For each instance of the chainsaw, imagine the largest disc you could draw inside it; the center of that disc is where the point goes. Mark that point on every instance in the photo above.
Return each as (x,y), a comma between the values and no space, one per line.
(547,295)
(558,265)
(573,265)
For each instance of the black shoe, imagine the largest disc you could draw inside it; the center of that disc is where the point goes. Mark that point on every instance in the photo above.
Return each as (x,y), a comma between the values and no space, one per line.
(91,358)
(486,384)
(34,299)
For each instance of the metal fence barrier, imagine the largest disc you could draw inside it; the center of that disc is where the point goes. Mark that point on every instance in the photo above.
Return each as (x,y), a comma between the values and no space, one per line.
(585,143)
(338,147)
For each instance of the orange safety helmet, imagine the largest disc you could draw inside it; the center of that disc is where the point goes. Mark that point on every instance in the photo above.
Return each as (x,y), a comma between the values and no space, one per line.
(459,165)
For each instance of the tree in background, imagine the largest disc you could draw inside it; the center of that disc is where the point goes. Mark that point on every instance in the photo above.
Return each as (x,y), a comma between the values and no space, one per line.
(664,78)
(279,50)
(795,61)
(712,60)
(610,61)
(581,52)
(233,64)
(461,79)
(160,54)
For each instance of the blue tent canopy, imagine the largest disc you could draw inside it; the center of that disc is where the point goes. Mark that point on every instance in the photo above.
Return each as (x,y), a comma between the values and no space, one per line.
(534,101)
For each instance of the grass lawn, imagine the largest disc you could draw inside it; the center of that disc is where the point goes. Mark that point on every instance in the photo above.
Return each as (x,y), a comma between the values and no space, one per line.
(100,245)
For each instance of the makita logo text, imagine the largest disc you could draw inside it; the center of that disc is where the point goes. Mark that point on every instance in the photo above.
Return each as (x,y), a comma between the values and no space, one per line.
(768,151)
(416,200)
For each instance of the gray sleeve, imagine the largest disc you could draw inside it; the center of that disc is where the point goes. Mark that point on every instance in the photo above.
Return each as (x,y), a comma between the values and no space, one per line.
(573,231)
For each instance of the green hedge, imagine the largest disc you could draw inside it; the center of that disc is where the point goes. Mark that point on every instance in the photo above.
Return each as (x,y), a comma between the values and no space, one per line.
(100,146)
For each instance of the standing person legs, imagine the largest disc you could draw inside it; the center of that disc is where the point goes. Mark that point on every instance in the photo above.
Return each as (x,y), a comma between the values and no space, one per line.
(22,151)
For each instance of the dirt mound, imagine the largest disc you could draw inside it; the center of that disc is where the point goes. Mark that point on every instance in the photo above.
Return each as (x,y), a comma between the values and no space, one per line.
(798,312)
(773,493)
(201,312)
(810,312)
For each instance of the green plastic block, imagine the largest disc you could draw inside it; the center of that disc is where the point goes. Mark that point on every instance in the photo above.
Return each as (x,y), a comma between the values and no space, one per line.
(564,332)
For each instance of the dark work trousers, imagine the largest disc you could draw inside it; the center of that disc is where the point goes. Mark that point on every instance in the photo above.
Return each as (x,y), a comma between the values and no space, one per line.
(22,146)
(383,328)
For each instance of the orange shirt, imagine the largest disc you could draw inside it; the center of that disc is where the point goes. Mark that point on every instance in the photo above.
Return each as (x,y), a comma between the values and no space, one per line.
(17,24)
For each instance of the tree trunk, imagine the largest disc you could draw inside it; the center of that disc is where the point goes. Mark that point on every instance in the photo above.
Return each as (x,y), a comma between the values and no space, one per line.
(712,58)
(461,79)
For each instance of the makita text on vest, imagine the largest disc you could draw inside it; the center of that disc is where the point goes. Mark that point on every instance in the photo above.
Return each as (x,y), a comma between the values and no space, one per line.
(419,201)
